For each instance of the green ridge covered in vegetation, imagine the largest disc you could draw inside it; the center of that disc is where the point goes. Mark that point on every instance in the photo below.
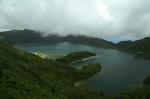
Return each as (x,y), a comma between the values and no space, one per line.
(75,56)
(26,76)
(30,36)
(139,47)
(91,69)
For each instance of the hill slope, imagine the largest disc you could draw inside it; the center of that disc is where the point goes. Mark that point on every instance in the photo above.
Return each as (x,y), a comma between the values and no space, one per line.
(141,47)
(30,36)
(26,76)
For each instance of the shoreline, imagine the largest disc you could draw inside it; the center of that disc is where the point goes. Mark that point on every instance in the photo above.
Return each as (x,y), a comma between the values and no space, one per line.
(80,83)
(48,56)
(84,59)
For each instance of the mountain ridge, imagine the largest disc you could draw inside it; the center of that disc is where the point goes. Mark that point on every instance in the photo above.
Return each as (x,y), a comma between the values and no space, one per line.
(30,36)
(141,47)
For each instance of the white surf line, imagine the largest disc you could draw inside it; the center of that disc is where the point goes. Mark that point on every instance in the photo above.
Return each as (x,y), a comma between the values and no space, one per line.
(84,59)
(88,58)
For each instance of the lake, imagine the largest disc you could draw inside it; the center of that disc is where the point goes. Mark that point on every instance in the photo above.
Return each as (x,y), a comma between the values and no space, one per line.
(121,71)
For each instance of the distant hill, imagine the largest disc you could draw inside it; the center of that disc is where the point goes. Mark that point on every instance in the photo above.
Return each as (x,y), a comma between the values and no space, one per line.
(30,36)
(124,44)
(139,46)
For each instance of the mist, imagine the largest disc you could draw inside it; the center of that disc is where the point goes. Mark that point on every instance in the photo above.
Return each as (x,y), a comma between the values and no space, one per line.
(113,20)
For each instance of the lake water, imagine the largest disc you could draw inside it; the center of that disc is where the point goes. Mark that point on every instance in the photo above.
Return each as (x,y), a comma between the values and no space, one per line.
(121,71)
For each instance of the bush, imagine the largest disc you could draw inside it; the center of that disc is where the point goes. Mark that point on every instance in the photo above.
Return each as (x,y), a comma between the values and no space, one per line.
(147,80)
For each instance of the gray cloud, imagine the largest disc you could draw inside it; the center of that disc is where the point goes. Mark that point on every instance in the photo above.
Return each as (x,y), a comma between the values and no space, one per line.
(110,19)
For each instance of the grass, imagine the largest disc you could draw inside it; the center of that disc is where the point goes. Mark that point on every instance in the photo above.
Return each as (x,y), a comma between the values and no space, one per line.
(27,76)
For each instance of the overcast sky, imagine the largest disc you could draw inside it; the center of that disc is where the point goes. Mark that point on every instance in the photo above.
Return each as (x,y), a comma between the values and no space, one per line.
(109,19)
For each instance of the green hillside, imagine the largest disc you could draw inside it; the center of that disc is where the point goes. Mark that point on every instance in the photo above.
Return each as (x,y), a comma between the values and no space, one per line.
(34,37)
(140,47)
(26,76)
(75,56)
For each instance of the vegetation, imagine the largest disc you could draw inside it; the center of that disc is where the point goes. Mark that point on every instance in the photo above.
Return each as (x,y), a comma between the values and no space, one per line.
(75,56)
(31,36)
(26,76)
(139,47)
(91,69)
(140,93)
(1,73)
(147,80)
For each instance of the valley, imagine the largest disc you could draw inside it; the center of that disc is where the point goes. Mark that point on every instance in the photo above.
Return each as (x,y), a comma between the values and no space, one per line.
(130,71)
(101,68)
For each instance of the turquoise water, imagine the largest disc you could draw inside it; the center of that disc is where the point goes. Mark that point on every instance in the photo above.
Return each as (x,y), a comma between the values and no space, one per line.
(121,71)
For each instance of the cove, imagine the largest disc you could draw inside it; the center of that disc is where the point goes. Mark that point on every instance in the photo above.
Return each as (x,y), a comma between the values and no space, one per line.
(121,71)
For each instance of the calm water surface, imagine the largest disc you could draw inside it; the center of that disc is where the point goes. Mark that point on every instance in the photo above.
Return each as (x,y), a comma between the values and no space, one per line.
(121,71)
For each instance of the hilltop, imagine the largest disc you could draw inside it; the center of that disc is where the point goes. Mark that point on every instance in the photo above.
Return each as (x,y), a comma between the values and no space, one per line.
(35,37)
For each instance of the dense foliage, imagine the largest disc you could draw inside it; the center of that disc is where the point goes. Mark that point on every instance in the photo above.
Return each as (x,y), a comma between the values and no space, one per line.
(91,69)
(147,80)
(75,56)
(26,76)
